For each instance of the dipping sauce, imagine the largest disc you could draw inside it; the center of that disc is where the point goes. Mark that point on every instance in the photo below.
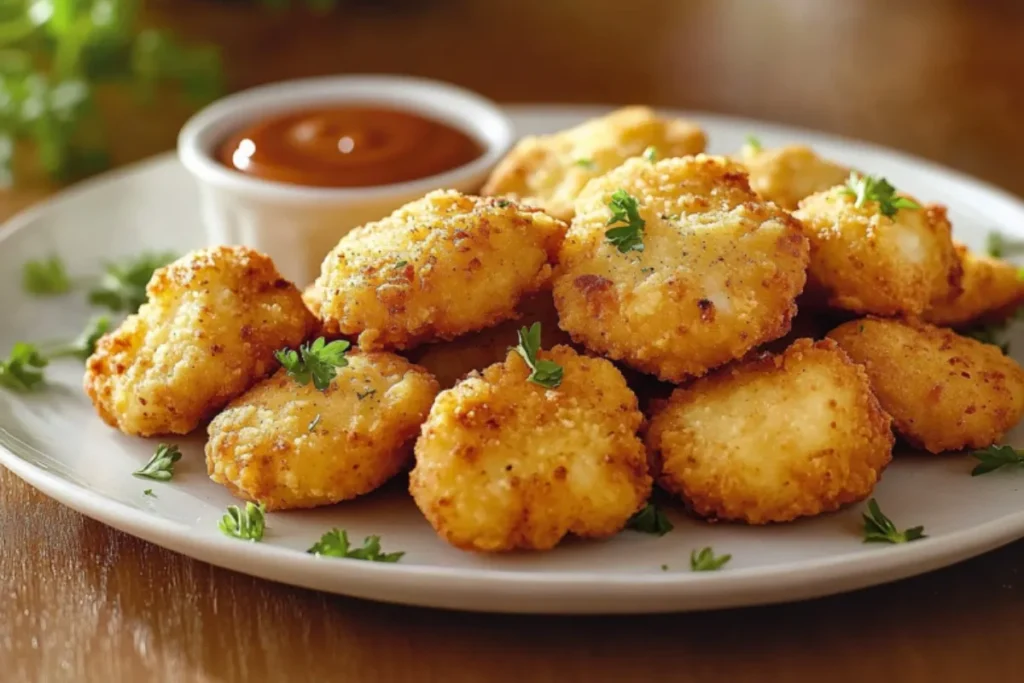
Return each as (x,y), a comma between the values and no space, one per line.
(347,147)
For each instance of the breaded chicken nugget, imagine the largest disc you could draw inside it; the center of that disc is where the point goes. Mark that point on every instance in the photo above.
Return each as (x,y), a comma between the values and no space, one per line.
(992,291)
(208,332)
(504,463)
(292,446)
(785,175)
(550,170)
(451,361)
(945,392)
(717,275)
(773,439)
(865,262)
(436,268)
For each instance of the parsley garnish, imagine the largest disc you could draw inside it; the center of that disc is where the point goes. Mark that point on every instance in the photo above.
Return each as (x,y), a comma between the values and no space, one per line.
(650,520)
(999,246)
(869,188)
(992,458)
(313,423)
(364,394)
(754,143)
(651,154)
(45,277)
(585,163)
(247,523)
(628,237)
(879,529)
(22,371)
(704,560)
(335,543)
(546,373)
(317,362)
(149,492)
(401,264)
(85,344)
(161,466)
(503,203)
(123,285)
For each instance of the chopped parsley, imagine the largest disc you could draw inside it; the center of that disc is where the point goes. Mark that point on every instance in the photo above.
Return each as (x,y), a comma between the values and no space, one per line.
(22,371)
(161,466)
(317,362)
(503,203)
(651,154)
(401,264)
(335,543)
(704,560)
(45,277)
(650,520)
(879,190)
(247,524)
(546,373)
(879,529)
(994,457)
(625,211)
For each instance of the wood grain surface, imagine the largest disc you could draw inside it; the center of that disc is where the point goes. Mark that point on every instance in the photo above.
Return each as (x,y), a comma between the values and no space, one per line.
(942,79)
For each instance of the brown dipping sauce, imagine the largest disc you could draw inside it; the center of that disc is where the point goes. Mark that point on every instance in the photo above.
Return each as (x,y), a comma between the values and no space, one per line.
(347,147)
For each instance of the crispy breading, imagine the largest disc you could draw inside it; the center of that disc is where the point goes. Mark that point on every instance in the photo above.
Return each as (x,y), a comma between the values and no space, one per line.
(945,392)
(207,333)
(718,275)
(773,439)
(505,464)
(292,446)
(439,267)
(864,262)
(992,291)
(549,171)
(785,175)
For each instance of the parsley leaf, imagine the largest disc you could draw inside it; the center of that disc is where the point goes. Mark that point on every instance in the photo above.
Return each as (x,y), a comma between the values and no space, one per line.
(161,466)
(994,457)
(650,520)
(546,373)
(247,524)
(317,362)
(45,277)
(149,492)
(85,344)
(22,371)
(123,285)
(754,143)
(585,163)
(335,543)
(869,188)
(999,246)
(651,153)
(879,529)
(628,237)
(704,560)
(503,203)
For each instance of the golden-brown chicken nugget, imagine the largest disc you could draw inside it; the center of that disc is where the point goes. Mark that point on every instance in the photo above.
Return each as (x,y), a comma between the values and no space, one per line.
(866,262)
(292,446)
(945,392)
(713,271)
(773,439)
(549,171)
(992,291)
(504,463)
(785,175)
(208,332)
(436,268)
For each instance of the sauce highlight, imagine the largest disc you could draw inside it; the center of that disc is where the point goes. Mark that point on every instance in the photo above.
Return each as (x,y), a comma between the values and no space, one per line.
(347,147)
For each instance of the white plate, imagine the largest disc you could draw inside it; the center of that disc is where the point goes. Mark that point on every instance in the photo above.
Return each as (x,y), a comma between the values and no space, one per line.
(53,440)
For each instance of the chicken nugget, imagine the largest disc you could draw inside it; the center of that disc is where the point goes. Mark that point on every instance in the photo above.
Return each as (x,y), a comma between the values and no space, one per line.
(785,175)
(945,392)
(866,262)
(773,439)
(503,463)
(436,268)
(207,333)
(292,446)
(549,171)
(712,272)
(992,291)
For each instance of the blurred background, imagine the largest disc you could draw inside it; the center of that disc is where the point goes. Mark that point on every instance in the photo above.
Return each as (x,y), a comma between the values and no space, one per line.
(89,84)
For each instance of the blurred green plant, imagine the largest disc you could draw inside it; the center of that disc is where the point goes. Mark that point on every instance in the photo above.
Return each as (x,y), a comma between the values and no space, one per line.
(52,55)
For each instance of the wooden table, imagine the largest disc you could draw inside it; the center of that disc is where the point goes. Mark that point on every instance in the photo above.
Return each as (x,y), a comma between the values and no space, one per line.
(939,78)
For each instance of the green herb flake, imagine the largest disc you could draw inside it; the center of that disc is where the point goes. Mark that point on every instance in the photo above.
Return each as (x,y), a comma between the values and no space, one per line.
(247,523)
(625,210)
(754,143)
(994,457)
(317,362)
(149,492)
(46,277)
(880,529)
(650,520)
(704,560)
(161,466)
(585,163)
(335,543)
(879,190)
(651,154)
(401,264)
(365,394)
(546,373)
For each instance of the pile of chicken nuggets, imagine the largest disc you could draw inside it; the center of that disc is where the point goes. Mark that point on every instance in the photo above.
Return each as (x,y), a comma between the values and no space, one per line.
(752,334)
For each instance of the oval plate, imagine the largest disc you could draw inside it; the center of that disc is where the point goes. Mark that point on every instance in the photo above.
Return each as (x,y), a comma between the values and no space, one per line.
(53,440)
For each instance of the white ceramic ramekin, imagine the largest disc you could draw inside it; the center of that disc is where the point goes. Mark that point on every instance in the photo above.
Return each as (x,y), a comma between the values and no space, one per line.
(296,225)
